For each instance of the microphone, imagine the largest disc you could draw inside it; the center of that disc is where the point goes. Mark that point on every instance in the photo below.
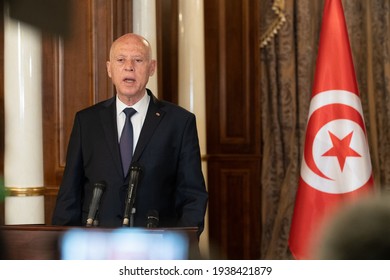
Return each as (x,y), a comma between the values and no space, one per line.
(94,206)
(135,171)
(153,219)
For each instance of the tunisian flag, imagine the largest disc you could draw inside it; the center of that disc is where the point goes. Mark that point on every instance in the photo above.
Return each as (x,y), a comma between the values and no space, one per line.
(336,165)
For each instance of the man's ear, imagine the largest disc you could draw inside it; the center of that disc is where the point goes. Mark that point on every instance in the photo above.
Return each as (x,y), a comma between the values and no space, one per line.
(108,68)
(153,65)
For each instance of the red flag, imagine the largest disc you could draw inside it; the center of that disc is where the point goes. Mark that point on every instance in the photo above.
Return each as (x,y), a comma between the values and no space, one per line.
(336,165)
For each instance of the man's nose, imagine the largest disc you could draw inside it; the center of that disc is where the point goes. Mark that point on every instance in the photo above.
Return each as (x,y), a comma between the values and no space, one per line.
(129,66)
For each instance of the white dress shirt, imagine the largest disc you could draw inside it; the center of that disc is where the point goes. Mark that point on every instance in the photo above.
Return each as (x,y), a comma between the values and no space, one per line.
(137,119)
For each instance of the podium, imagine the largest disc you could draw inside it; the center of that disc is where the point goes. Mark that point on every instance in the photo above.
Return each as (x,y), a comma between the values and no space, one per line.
(40,242)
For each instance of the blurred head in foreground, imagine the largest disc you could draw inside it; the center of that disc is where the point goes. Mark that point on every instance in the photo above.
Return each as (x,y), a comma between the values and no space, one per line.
(360,232)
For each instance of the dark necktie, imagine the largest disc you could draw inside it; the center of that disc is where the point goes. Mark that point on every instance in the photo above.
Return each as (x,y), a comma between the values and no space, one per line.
(126,141)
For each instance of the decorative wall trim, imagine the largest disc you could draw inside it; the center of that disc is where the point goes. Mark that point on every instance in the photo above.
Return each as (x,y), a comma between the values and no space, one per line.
(30,191)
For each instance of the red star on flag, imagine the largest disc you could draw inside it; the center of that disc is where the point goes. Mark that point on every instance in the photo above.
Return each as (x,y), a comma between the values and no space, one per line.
(341,149)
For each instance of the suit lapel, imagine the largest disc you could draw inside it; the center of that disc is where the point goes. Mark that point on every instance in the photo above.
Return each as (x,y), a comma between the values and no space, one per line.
(108,121)
(153,118)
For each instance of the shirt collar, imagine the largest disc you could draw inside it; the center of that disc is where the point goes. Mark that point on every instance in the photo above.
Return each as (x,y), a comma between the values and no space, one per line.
(141,106)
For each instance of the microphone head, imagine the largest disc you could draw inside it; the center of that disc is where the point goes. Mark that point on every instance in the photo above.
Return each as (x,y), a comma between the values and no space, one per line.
(98,189)
(153,219)
(135,166)
(100,185)
(135,172)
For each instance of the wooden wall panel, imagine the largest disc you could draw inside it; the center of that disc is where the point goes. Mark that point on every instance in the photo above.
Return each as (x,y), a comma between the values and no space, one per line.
(234,207)
(233,127)
(167,41)
(231,70)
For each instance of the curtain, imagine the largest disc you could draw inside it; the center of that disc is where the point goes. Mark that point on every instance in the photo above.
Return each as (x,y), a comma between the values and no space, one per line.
(288,48)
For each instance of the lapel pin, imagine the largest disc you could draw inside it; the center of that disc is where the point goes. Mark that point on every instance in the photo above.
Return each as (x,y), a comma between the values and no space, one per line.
(157,114)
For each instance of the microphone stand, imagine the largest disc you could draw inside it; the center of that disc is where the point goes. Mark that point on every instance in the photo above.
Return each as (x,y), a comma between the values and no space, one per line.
(128,217)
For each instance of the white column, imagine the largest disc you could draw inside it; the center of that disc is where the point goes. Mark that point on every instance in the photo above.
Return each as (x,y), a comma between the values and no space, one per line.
(144,24)
(192,77)
(23,156)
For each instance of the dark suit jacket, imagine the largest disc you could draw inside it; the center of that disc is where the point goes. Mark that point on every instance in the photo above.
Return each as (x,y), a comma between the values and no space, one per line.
(168,152)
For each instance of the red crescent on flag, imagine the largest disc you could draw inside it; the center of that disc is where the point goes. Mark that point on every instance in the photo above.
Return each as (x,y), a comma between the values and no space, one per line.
(321,117)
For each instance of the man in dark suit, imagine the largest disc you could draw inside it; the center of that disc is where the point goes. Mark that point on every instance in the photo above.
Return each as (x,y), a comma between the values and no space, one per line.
(166,148)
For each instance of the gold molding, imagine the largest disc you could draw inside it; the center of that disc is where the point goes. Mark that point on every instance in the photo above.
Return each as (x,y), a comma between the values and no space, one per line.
(18,192)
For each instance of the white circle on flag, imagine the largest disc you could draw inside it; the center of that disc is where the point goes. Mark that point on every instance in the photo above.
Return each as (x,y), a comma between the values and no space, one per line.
(341,171)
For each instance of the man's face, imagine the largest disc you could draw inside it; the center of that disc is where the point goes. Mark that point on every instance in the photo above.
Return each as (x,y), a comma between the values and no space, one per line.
(130,67)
